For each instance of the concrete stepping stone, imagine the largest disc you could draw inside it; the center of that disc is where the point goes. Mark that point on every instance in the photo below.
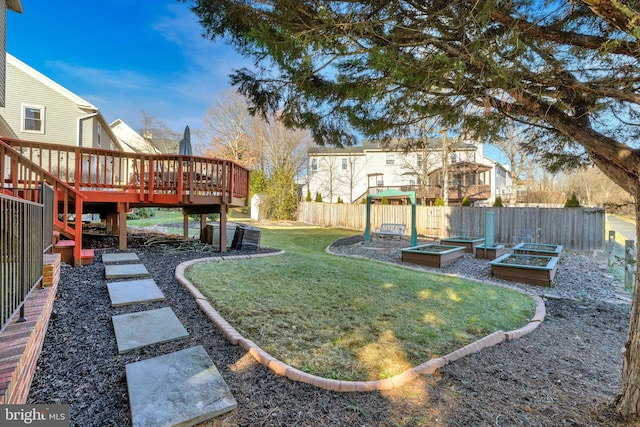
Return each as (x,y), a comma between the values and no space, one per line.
(182,388)
(125,271)
(133,292)
(120,258)
(136,330)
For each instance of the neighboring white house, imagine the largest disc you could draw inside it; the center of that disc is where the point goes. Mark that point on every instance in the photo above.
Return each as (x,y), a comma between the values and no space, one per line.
(39,109)
(130,140)
(353,172)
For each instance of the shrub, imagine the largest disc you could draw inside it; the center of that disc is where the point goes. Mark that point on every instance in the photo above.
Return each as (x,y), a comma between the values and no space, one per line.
(385,200)
(465,201)
(142,213)
(318,197)
(498,202)
(573,202)
(340,199)
(439,201)
(364,201)
(282,199)
(308,198)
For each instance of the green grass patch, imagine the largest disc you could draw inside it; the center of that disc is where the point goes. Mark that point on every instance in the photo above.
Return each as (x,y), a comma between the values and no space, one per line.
(347,318)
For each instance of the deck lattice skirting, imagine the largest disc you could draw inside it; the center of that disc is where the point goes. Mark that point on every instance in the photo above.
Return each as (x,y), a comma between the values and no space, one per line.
(21,342)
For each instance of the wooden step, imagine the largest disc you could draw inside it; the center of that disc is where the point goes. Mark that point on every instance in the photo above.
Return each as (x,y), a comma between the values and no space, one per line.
(65,249)
(87,256)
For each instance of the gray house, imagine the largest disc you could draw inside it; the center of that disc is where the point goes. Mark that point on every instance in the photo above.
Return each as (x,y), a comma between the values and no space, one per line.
(41,110)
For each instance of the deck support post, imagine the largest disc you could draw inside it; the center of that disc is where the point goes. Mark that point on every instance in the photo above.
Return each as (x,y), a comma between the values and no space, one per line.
(112,224)
(122,232)
(185,225)
(203,227)
(223,227)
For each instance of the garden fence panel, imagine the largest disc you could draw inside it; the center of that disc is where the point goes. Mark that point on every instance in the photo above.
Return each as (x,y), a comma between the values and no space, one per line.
(573,228)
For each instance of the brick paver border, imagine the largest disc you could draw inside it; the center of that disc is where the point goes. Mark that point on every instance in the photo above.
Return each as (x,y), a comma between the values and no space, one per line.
(280,368)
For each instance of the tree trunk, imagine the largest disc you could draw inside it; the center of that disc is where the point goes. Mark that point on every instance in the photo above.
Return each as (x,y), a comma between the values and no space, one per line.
(628,400)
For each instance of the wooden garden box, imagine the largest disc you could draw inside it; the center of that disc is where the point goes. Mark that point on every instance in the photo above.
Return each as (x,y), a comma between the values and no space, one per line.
(541,249)
(490,252)
(531,269)
(468,242)
(433,255)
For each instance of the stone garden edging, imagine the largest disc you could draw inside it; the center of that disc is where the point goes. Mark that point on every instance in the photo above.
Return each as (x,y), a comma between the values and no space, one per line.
(280,368)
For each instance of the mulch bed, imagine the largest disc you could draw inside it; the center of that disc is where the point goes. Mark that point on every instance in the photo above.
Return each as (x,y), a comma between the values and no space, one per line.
(567,372)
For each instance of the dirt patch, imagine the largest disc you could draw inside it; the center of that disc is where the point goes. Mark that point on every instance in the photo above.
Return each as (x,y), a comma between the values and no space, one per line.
(567,372)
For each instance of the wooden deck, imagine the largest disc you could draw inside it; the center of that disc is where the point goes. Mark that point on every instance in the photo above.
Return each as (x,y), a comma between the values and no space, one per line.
(89,180)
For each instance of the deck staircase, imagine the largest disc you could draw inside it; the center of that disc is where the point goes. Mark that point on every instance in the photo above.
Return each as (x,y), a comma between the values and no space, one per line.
(24,179)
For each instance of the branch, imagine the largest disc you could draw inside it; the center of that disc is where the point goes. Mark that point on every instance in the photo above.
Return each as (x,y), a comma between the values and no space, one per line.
(618,14)
(568,38)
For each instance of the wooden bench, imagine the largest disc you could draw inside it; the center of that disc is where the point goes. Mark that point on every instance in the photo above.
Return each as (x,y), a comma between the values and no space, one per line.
(390,230)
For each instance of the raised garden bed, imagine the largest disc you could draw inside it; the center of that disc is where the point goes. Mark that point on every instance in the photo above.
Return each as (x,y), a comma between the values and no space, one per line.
(490,252)
(531,269)
(468,242)
(432,255)
(541,249)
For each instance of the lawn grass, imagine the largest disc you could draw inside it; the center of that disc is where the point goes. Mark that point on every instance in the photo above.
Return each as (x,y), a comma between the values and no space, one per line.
(170,221)
(346,318)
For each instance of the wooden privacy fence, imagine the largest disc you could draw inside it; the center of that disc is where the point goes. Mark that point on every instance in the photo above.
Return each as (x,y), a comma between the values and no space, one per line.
(573,228)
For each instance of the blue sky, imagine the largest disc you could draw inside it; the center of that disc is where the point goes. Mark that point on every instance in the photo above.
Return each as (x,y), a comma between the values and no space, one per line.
(128,56)
(125,56)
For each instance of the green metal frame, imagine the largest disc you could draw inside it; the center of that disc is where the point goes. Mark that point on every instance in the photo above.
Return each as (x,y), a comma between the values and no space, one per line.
(393,193)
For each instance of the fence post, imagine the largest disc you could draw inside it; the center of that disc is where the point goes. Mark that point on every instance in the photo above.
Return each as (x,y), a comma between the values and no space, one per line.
(611,247)
(629,260)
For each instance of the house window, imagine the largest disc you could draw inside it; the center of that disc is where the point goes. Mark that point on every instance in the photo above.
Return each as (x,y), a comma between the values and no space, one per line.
(33,118)
(454,158)
(99,136)
(380,182)
(391,159)
(419,160)
(344,164)
(314,164)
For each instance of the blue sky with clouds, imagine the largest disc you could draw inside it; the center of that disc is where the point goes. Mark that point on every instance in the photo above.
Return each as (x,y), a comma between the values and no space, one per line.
(128,56)
(125,56)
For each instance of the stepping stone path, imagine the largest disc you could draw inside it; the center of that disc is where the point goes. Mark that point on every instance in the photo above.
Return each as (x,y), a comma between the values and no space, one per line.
(165,390)
(120,258)
(136,330)
(125,271)
(133,292)
(181,388)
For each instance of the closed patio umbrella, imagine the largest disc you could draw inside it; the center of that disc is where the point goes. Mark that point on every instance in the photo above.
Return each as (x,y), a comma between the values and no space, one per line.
(184,148)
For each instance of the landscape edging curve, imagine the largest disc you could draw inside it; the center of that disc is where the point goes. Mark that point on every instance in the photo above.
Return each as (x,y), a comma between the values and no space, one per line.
(281,368)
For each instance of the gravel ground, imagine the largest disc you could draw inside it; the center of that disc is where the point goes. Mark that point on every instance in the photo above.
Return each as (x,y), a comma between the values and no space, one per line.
(565,373)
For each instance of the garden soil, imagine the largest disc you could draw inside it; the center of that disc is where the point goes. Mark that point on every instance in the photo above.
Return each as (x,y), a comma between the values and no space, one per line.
(565,373)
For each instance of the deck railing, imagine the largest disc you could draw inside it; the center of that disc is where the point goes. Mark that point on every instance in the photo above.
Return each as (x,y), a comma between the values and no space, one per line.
(90,169)
(21,244)
(23,178)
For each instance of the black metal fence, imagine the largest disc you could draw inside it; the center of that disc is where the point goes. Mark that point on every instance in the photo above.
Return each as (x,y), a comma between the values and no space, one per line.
(21,249)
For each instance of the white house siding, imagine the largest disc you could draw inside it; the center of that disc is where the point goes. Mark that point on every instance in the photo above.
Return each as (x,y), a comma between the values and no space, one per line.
(331,181)
(373,169)
(3,49)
